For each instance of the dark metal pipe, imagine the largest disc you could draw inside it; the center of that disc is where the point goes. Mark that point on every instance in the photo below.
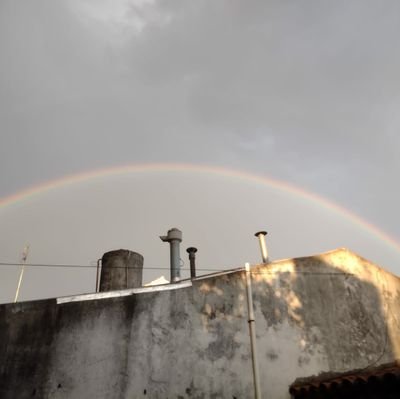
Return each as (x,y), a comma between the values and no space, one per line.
(192,258)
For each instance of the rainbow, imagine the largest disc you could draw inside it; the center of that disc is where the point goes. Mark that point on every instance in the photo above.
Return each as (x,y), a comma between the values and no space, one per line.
(179,167)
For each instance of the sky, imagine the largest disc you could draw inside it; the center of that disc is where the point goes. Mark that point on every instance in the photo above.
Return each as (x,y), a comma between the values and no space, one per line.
(304,93)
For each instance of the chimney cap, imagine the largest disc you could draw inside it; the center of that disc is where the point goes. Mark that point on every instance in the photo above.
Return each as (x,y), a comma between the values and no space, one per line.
(264,233)
(173,234)
(191,249)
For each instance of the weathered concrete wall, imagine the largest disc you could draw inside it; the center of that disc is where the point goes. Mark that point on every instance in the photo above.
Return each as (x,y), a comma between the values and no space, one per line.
(331,312)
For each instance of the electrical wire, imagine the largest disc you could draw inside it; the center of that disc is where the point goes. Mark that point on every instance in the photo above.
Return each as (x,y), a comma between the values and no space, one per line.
(77,266)
(83,266)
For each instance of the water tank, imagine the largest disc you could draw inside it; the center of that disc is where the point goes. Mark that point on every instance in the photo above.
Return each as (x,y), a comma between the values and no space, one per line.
(121,269)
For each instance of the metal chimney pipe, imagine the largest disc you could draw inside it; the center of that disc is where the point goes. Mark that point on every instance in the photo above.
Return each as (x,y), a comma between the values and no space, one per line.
(261,238)
(192,258)
(174,237)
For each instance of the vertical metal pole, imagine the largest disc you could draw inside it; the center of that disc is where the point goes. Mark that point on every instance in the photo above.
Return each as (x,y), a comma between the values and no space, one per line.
(97,274)
(23,261)
(251,321)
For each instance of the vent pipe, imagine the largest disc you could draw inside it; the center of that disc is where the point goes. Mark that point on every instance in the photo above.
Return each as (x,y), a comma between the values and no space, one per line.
(263,246)
(174,238)
(121,269)
(192,258)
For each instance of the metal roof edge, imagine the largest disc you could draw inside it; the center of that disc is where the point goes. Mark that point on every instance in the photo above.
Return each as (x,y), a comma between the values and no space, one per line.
(121,293)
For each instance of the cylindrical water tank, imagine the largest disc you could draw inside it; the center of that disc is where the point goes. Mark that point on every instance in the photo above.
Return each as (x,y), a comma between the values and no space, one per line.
(121,269)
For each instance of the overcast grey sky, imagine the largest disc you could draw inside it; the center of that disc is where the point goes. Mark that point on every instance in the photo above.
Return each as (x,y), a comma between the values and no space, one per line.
(302,91)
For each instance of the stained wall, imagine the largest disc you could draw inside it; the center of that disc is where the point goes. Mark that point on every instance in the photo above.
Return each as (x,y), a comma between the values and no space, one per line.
(330,312)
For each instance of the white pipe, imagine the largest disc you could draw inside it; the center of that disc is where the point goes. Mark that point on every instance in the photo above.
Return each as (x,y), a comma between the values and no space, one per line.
(251,321)
(263,246)
(23,261)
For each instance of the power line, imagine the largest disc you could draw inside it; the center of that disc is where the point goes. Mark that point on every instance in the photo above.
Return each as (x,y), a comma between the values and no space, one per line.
(83,266)
(77,266)
(74,266)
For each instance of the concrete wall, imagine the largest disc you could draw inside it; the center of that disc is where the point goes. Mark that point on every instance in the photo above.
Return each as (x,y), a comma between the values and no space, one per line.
(332,312)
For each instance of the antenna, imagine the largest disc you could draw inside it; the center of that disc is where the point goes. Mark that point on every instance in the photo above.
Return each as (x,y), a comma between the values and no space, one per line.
(24,257)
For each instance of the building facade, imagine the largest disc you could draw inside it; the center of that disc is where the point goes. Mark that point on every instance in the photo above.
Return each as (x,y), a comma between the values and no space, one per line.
(333,312)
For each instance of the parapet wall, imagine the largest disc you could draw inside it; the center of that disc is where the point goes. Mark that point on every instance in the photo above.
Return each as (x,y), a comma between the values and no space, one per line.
(332,312)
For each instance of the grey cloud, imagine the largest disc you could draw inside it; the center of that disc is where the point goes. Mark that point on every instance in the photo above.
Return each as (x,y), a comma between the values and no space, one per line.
(297,90)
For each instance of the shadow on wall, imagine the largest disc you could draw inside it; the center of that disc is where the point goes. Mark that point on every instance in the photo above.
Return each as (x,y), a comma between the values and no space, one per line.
(223,305)
(334,312)
(330,313)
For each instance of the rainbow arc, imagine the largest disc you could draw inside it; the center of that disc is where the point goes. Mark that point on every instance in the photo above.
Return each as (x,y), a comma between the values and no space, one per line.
(180,167)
